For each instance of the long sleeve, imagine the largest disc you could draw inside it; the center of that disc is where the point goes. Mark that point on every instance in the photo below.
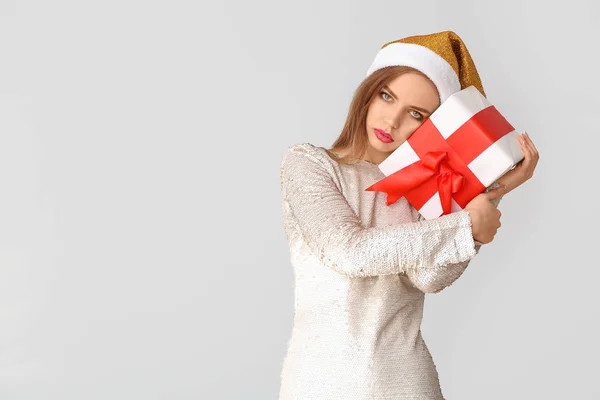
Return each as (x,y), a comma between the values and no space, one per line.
(434,280)
(334,234)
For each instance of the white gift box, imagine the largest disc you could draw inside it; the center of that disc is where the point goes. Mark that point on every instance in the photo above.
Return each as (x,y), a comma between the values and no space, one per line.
(480,145)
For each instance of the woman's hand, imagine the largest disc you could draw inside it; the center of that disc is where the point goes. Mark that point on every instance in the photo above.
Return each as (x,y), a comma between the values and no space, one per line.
(485,217)
(524,169)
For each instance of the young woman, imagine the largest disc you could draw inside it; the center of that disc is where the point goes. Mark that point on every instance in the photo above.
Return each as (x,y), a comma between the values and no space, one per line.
(361,267)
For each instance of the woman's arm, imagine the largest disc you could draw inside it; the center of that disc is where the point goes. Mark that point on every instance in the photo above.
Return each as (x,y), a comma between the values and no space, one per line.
(434,280)
(335,235)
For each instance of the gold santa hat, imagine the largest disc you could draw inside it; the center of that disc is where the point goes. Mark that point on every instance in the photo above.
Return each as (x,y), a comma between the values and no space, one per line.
(442,57)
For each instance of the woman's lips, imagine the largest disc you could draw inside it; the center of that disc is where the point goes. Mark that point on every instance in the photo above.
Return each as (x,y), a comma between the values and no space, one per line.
(383,136)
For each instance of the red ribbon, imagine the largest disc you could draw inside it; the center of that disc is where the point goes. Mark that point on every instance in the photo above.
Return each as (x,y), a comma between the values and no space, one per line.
(434,163)
(448,159)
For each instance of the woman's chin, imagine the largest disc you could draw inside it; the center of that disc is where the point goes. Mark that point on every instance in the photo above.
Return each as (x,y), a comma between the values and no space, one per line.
(381,146)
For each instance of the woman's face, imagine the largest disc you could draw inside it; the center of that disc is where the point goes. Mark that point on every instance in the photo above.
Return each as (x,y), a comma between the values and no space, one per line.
(398,110)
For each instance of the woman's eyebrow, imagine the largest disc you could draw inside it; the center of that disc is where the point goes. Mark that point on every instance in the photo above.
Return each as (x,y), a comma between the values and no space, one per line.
(386,87)
(421,109)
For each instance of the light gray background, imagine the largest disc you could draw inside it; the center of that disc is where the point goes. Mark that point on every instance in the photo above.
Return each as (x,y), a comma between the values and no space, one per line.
(142,254)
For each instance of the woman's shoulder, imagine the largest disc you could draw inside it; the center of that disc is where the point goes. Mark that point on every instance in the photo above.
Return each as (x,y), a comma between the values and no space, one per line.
(305,148)
(308,164)
(307,154)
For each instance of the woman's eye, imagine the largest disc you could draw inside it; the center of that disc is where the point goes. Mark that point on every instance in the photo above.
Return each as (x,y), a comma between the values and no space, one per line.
(416,114)
(385,96)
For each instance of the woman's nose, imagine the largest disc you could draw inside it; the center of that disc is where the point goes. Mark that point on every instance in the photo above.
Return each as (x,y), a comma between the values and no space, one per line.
(393,120)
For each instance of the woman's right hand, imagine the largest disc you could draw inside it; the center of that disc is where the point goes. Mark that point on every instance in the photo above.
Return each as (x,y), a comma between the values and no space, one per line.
(485,217)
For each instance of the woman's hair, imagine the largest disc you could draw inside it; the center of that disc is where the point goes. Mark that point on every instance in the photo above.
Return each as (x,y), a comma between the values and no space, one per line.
(354,134)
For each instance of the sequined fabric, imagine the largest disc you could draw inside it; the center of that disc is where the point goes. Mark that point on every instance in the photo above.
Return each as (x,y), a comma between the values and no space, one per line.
(361,271)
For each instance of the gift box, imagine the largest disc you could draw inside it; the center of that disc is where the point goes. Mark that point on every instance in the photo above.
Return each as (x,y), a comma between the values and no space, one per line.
(459,151)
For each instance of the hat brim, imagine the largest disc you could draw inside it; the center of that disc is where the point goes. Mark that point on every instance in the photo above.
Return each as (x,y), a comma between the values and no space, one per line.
(422,59)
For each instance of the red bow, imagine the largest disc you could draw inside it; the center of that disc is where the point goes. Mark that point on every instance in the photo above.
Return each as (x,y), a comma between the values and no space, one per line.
(434,163)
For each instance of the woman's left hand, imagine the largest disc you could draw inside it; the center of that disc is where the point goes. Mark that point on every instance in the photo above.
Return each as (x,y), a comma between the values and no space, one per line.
(524,169)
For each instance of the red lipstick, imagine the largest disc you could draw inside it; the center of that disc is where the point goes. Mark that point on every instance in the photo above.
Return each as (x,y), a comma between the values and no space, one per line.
(383,136)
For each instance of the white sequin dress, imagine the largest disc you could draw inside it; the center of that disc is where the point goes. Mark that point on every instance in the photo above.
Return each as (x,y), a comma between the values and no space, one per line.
(361,271)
